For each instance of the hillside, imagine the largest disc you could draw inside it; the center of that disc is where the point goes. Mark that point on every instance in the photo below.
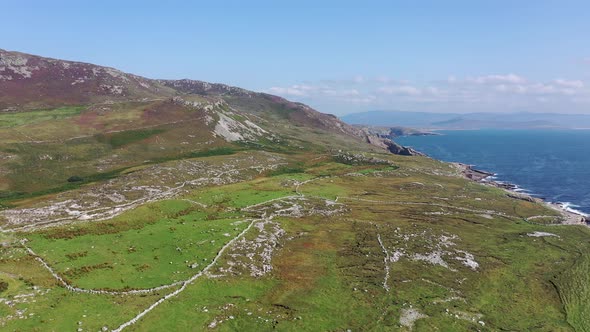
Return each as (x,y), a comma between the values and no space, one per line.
(103,121)
(139,204)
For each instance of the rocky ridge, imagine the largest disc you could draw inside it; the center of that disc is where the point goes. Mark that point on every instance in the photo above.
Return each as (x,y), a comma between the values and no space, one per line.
(59,82)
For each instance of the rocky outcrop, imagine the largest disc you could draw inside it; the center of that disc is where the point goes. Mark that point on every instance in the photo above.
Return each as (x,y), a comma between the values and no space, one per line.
(473,174)
(390,145)
(401,150)
(522,197)
(395,131)
(187,86)
(374,138)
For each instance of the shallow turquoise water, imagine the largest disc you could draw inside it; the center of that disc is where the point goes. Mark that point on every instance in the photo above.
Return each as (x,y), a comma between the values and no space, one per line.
(552,164)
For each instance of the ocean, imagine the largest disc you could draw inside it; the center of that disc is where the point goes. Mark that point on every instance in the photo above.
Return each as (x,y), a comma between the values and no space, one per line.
(549,164)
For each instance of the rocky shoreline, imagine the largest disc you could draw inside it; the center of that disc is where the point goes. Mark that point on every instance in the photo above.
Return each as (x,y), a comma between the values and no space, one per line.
(569,217)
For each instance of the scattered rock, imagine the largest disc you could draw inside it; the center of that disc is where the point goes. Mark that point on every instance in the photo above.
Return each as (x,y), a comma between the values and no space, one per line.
(409,316)
(541,234)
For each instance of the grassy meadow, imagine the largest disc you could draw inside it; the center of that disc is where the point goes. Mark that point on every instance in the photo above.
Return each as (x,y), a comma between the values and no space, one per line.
(280,234)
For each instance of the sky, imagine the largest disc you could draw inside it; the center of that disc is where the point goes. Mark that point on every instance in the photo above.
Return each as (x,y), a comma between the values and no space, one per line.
(337,56)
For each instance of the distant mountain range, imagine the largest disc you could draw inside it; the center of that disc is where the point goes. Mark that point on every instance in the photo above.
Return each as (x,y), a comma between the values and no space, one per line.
(470,120)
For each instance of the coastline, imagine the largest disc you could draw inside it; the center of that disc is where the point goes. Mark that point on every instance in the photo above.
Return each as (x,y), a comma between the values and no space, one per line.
(569,217)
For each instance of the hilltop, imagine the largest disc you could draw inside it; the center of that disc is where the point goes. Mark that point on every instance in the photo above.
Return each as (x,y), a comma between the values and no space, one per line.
(140,204)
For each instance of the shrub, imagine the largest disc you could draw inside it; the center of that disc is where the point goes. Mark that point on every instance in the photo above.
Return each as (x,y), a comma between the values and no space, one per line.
(3,286)
(75,178)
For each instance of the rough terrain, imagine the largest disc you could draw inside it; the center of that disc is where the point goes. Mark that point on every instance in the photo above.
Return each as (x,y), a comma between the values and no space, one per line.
(132,204)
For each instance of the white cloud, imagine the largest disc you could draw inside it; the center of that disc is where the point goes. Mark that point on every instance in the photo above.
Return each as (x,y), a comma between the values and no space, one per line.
(294,90)
(479,93)
(508,78)
(524,89)
(557,87)
(576,84)
(313,91)
(361,100)
(285,91)
(359,79)
(433,90)
(404,90)
(383,79)
(340,93)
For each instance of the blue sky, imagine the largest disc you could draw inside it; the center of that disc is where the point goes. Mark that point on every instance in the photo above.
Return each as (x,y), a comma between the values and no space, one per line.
(337,56)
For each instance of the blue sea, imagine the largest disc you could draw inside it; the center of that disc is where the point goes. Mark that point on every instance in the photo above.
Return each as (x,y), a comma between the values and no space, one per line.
(550,164)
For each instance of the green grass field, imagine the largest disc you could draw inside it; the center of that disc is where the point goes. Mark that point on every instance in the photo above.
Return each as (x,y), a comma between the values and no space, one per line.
(335,242)
(327,272)
(8,120)
(178,240)
(574,288)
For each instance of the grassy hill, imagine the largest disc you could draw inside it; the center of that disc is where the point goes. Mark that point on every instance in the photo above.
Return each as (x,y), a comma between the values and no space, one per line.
(187,206)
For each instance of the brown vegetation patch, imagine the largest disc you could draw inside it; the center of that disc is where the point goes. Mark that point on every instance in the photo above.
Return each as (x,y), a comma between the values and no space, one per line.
(78,272)
(298,271)
(89,120)
(163,112)
(101,228)
(76,255)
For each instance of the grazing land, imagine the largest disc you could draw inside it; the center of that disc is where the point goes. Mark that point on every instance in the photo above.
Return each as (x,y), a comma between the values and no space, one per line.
(320,251)
(152,205)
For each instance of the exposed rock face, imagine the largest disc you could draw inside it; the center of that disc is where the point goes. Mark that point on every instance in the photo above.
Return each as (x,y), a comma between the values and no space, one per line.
(401,150)
(473,174)
(299,113)
(387,143)
(521,197)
